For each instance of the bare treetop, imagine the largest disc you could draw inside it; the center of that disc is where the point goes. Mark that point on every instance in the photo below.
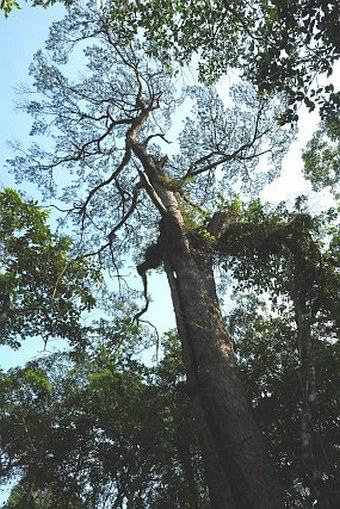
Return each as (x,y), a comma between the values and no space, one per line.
(103,109)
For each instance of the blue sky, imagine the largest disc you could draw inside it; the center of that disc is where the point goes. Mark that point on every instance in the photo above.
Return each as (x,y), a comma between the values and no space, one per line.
(21,35)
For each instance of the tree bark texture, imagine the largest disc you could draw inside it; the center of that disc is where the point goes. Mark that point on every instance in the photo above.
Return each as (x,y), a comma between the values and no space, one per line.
(238,470)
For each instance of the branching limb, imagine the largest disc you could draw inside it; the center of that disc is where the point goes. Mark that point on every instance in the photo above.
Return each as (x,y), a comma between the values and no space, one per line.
(112,235)
(120,167)
(218,156)
(135,194)
(157,135)
(152,192)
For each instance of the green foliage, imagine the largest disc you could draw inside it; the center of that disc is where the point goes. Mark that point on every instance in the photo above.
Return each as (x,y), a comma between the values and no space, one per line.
(322,156)
(266,247)
(280,46)
(37,500)
(7,6)
(106,429)
(44,289)
(267,352)
(103,426)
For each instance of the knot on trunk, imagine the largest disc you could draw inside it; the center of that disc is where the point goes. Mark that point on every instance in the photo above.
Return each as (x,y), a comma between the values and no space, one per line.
(219,223)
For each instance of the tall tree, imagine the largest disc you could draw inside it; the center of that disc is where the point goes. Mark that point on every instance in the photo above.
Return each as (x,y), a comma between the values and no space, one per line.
(123,189)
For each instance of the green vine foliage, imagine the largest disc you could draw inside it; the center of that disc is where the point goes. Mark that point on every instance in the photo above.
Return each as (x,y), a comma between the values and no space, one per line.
(265,248)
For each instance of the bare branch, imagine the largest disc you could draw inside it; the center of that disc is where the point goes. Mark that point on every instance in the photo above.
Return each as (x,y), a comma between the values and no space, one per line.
(224,158)
(135,194)
(123,163)
(157,135)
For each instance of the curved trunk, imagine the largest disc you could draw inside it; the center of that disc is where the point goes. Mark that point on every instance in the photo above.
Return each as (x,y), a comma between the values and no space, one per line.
(238,470)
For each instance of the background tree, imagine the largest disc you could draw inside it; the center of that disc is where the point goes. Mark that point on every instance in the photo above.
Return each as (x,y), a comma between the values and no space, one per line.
(44,289)
(7,6)
(296,262)
(267,349)
(101,430)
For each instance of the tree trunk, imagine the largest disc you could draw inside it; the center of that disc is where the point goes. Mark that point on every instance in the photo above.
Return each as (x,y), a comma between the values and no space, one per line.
(238,470)
(303,318)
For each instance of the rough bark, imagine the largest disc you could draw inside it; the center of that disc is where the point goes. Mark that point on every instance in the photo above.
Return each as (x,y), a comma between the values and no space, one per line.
(238,470)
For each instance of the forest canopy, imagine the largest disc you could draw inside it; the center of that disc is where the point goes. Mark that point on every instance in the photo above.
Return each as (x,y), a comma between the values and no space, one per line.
(280,46)
(146,172)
